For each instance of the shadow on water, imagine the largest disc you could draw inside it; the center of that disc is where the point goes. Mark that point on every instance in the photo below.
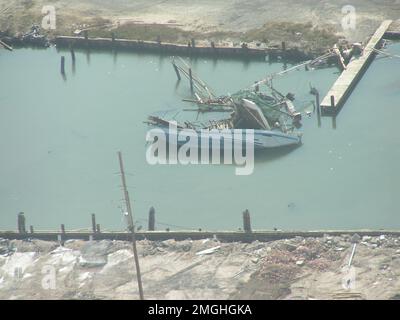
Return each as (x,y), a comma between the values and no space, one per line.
(268,155)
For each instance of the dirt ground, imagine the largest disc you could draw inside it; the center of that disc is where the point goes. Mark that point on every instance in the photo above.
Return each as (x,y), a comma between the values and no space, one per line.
(223,18)
(299,268)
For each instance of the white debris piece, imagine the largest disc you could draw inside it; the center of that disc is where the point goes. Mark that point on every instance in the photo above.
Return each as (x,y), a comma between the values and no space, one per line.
(208,251)
(300,262)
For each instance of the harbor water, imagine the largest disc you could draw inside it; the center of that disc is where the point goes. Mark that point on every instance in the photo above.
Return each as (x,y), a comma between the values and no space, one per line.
(59,140)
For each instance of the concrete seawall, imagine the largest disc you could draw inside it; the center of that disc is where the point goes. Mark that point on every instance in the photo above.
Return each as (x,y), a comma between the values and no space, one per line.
(224,236)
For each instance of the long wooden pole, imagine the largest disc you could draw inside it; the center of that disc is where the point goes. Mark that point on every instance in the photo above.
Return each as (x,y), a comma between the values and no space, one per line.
(131,226)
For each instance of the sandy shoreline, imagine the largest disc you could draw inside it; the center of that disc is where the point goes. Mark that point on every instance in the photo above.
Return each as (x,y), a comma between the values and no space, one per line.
(310,23)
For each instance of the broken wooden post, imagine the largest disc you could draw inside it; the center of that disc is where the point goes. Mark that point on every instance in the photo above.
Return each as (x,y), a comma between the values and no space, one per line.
(98,228)
(246,221)
(152,219)
(21,223)
(332,101)
(73,59)
(176,71)
(63,229)
(31,229)
(318,107)
(62,65)
(93,223)
(191,79)
(86,34)
(193,43)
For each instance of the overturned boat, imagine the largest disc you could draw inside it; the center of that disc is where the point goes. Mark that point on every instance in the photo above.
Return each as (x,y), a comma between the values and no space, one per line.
(246,126)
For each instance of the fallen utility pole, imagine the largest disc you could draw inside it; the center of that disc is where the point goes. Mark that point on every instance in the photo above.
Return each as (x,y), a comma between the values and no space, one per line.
(131,226)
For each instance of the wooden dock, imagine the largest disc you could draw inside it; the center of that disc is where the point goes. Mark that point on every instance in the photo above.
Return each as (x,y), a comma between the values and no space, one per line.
(346,82)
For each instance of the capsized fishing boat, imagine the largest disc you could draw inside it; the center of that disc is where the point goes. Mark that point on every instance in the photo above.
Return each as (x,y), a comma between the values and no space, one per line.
(246,115)
(268,113)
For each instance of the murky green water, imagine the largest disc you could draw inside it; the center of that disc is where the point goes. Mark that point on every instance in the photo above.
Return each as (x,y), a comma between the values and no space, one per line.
(59,140)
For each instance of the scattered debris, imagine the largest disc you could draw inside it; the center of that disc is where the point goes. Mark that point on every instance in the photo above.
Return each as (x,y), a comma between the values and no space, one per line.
(296,268)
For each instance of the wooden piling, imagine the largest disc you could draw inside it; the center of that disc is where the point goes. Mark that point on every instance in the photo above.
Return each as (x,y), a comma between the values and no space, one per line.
(176,71)
(86,34)
(63,229)
(98,230)
(191,79)
(93,223)
(246,221)
(21,223)
(193,43)
(72,55)
(334,122)
(332,101)
(152,219)
(62,65)
(318,106)
(31,230)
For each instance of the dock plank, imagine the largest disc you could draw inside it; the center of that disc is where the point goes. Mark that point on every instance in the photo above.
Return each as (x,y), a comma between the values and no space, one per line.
(343,86)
